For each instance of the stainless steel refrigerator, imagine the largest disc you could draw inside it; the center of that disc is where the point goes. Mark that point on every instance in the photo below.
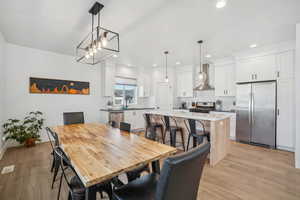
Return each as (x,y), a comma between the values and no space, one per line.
(256,113)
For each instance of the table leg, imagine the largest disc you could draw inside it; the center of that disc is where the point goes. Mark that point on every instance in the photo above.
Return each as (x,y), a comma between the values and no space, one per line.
(173,138)
(155,167)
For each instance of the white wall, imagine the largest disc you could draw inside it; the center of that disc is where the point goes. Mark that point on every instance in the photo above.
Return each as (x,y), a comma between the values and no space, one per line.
(22,63)
(297,92)
(2,70)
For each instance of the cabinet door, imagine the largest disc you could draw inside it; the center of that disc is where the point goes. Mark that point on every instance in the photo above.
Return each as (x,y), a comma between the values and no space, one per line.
(285,115)
(285,65)
(220,81)
(264,68)
(184,84)
(108,79)
(147,85)
(244,72)
(230,80)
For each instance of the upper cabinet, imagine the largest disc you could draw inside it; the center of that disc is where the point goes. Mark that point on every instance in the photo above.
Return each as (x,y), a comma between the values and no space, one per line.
(260,68)
(285,62)
(184,81)
(225,80)
(108,78)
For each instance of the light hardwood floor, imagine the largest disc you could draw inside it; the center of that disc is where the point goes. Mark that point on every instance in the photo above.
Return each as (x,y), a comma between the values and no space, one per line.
(248,172)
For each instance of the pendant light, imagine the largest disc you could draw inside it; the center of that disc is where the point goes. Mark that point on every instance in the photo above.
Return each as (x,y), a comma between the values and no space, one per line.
(100,43)
(166,55)
(202,75)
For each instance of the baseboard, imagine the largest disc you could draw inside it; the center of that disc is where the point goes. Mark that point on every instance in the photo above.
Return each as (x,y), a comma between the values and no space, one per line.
(286,148)
(232,138)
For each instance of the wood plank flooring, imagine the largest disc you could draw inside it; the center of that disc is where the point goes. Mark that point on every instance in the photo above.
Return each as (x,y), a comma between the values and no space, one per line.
(248,172)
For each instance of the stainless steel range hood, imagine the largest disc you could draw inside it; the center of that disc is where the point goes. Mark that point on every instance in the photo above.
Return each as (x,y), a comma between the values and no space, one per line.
(203,81)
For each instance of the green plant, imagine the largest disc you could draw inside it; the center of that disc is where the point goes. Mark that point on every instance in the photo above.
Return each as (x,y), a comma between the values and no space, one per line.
(22,130)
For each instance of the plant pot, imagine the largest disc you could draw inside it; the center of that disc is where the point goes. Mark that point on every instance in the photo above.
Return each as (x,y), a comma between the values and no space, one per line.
(30,142)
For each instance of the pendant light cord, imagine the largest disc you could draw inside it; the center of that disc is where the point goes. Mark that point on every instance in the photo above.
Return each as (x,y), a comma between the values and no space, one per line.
(200,52)
(166,54)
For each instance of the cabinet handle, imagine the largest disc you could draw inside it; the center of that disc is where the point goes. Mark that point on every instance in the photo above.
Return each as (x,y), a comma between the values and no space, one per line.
(278,111)
(252,77)
(278,74)
(255,76)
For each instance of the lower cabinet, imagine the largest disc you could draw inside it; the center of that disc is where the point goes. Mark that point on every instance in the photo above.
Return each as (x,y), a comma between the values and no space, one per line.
(135,119)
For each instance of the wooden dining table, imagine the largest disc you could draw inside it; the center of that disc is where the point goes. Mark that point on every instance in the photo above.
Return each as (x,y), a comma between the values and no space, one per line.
(99,152)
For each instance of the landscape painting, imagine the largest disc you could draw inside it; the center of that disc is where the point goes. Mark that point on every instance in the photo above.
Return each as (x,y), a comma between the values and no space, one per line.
(54,86)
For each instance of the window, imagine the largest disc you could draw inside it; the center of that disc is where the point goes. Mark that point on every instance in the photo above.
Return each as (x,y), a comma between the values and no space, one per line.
(123,92)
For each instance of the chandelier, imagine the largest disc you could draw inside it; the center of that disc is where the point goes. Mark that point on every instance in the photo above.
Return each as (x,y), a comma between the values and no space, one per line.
(99,44)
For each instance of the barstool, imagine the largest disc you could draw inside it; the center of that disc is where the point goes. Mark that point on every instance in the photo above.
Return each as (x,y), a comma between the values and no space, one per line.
(198,135)
(173,130)
(153,126)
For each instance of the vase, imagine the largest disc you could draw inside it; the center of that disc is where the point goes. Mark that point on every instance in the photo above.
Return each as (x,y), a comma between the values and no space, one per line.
(30,142)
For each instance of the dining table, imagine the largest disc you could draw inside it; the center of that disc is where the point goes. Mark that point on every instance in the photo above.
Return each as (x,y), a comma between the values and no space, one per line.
(99,152)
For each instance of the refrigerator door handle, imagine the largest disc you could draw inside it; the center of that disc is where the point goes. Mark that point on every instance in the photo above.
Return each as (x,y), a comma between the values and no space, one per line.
(252,107)
(249,108)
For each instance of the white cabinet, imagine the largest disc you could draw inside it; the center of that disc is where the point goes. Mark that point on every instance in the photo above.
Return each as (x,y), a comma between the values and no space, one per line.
(184,83)
(285,62)
(134,118)
(144,86)
(285,115)
(225,80)
(261,68)
(108,79)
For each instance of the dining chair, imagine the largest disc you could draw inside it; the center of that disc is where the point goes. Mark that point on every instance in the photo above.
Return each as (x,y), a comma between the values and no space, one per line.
(173,130)
(153,126)
(179,179)
(73,118)
(77,191)
(135,173)
(125,127)
(197,134)
(54,142)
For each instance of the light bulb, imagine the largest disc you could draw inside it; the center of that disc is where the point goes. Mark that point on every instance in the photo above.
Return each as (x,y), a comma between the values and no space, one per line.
(221,3)
(87,56)
(95,50)
(202,77)
(91,52)
(104,41)
(166,79)
(99,45)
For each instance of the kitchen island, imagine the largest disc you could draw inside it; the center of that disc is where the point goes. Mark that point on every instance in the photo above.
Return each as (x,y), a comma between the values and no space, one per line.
(217,124)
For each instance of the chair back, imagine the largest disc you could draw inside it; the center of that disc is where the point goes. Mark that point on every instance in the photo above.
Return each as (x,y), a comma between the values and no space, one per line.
(125,126)
(192,129)
(65,164)
(52,136)
(147,119)
(73,118)
(167,121)
(181,174)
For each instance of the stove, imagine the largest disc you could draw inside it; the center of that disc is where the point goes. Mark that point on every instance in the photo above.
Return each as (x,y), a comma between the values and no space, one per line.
(203,107)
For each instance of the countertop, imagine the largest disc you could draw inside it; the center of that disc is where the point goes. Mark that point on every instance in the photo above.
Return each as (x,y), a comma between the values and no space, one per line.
(124,109)
(189,115)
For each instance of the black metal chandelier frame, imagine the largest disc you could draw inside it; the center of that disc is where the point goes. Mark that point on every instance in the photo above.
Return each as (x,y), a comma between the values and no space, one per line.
(91,50)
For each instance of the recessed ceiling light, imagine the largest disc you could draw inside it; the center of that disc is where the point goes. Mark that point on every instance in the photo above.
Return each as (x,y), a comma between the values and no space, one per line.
(221,3)
(208,56)
(154,65)
(115,55)
(178,63)
(253,45)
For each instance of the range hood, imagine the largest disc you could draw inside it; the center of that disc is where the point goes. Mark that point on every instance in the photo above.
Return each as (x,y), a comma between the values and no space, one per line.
(203,76)
(203,79)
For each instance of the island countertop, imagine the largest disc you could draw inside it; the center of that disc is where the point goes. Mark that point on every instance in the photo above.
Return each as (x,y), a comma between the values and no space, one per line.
(188,115)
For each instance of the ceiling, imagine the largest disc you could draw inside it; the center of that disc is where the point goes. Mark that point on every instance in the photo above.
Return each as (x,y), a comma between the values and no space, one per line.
(147,28)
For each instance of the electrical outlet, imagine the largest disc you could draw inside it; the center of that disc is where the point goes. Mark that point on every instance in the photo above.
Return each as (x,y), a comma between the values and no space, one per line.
(8,169)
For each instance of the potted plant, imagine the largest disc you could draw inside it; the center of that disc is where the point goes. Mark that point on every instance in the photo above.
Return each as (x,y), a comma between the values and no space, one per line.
(26,131)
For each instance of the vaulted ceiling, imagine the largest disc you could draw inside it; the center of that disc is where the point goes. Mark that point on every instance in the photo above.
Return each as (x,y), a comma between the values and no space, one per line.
(147,28)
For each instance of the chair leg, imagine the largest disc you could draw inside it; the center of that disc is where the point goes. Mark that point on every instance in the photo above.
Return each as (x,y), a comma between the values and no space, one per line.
(155,167)
(53,163)
(188,143)
(60,181)
(146,132)
(182,139)
(162,134)
(56,168)
(173,138)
